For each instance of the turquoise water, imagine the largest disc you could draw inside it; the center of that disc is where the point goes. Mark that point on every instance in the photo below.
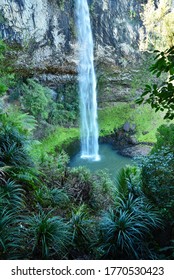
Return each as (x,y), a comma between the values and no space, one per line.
(109,159)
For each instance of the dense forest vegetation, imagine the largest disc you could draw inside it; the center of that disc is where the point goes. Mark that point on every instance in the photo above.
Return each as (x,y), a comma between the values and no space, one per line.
(51,211)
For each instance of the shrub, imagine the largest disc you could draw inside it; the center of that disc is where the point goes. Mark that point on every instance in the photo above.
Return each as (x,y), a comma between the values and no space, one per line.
(54,169)
(102,191)
(11,118)
(165,137)
(59,198)
(51,197)
(35,99)
(79,184)
(11,154)
(9,234)
(128,181)
(15,142)
(6,75)
(160,95)
(46,236)
(158,180)
(60,115)
(126,229)
(11,194)
(82,231)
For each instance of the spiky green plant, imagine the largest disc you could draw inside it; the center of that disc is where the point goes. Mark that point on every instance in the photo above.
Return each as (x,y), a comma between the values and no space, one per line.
(47,236)
(15,137)
(80,222)
(13,148)
(126,229)
(12,194)
(43,196)
(82,229)
(9,233)
(22,122)
(59,198)
(51,197)
(12,155)
(28,177)
(128,181)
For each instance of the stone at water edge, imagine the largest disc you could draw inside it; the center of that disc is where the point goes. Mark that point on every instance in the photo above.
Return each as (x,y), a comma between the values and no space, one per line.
(127,127)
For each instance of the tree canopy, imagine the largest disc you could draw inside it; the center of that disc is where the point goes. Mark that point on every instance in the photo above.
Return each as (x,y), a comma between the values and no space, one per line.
(159,24)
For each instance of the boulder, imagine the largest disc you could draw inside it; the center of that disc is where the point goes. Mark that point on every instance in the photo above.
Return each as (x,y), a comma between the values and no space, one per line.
(127,127)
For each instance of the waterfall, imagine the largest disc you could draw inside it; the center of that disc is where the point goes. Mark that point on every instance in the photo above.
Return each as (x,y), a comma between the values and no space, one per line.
(87,84)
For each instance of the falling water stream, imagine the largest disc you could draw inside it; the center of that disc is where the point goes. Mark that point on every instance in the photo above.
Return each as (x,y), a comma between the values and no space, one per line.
(87,84)
(89,154)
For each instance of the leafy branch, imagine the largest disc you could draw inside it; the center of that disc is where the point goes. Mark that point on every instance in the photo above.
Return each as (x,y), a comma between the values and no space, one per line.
(161,97)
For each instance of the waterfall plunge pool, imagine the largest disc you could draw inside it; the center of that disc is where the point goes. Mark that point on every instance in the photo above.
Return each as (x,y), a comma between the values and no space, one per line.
(109,159)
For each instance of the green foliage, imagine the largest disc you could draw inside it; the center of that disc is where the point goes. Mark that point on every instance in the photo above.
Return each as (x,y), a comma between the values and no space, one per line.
(52,197)
(11,194)
(8,233)
(165,137)
(12,200)
(142,76)
(15,141)
(11,154)
(28,177)
(143,116)
(59,115)
(158,19)
(54,170)
(79,184)
(81,227)
(12,118)
(47,236)
(35,99)
(128,182)
(102,191)
(14,154)
(158,180)
(124,233)
(13,151)
(6,78)
(60,139)
(160,97)
(60,198)
(64,111)
(125,230)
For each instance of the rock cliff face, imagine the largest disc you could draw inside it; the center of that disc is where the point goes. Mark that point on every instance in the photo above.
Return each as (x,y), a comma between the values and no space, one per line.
(44,35)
